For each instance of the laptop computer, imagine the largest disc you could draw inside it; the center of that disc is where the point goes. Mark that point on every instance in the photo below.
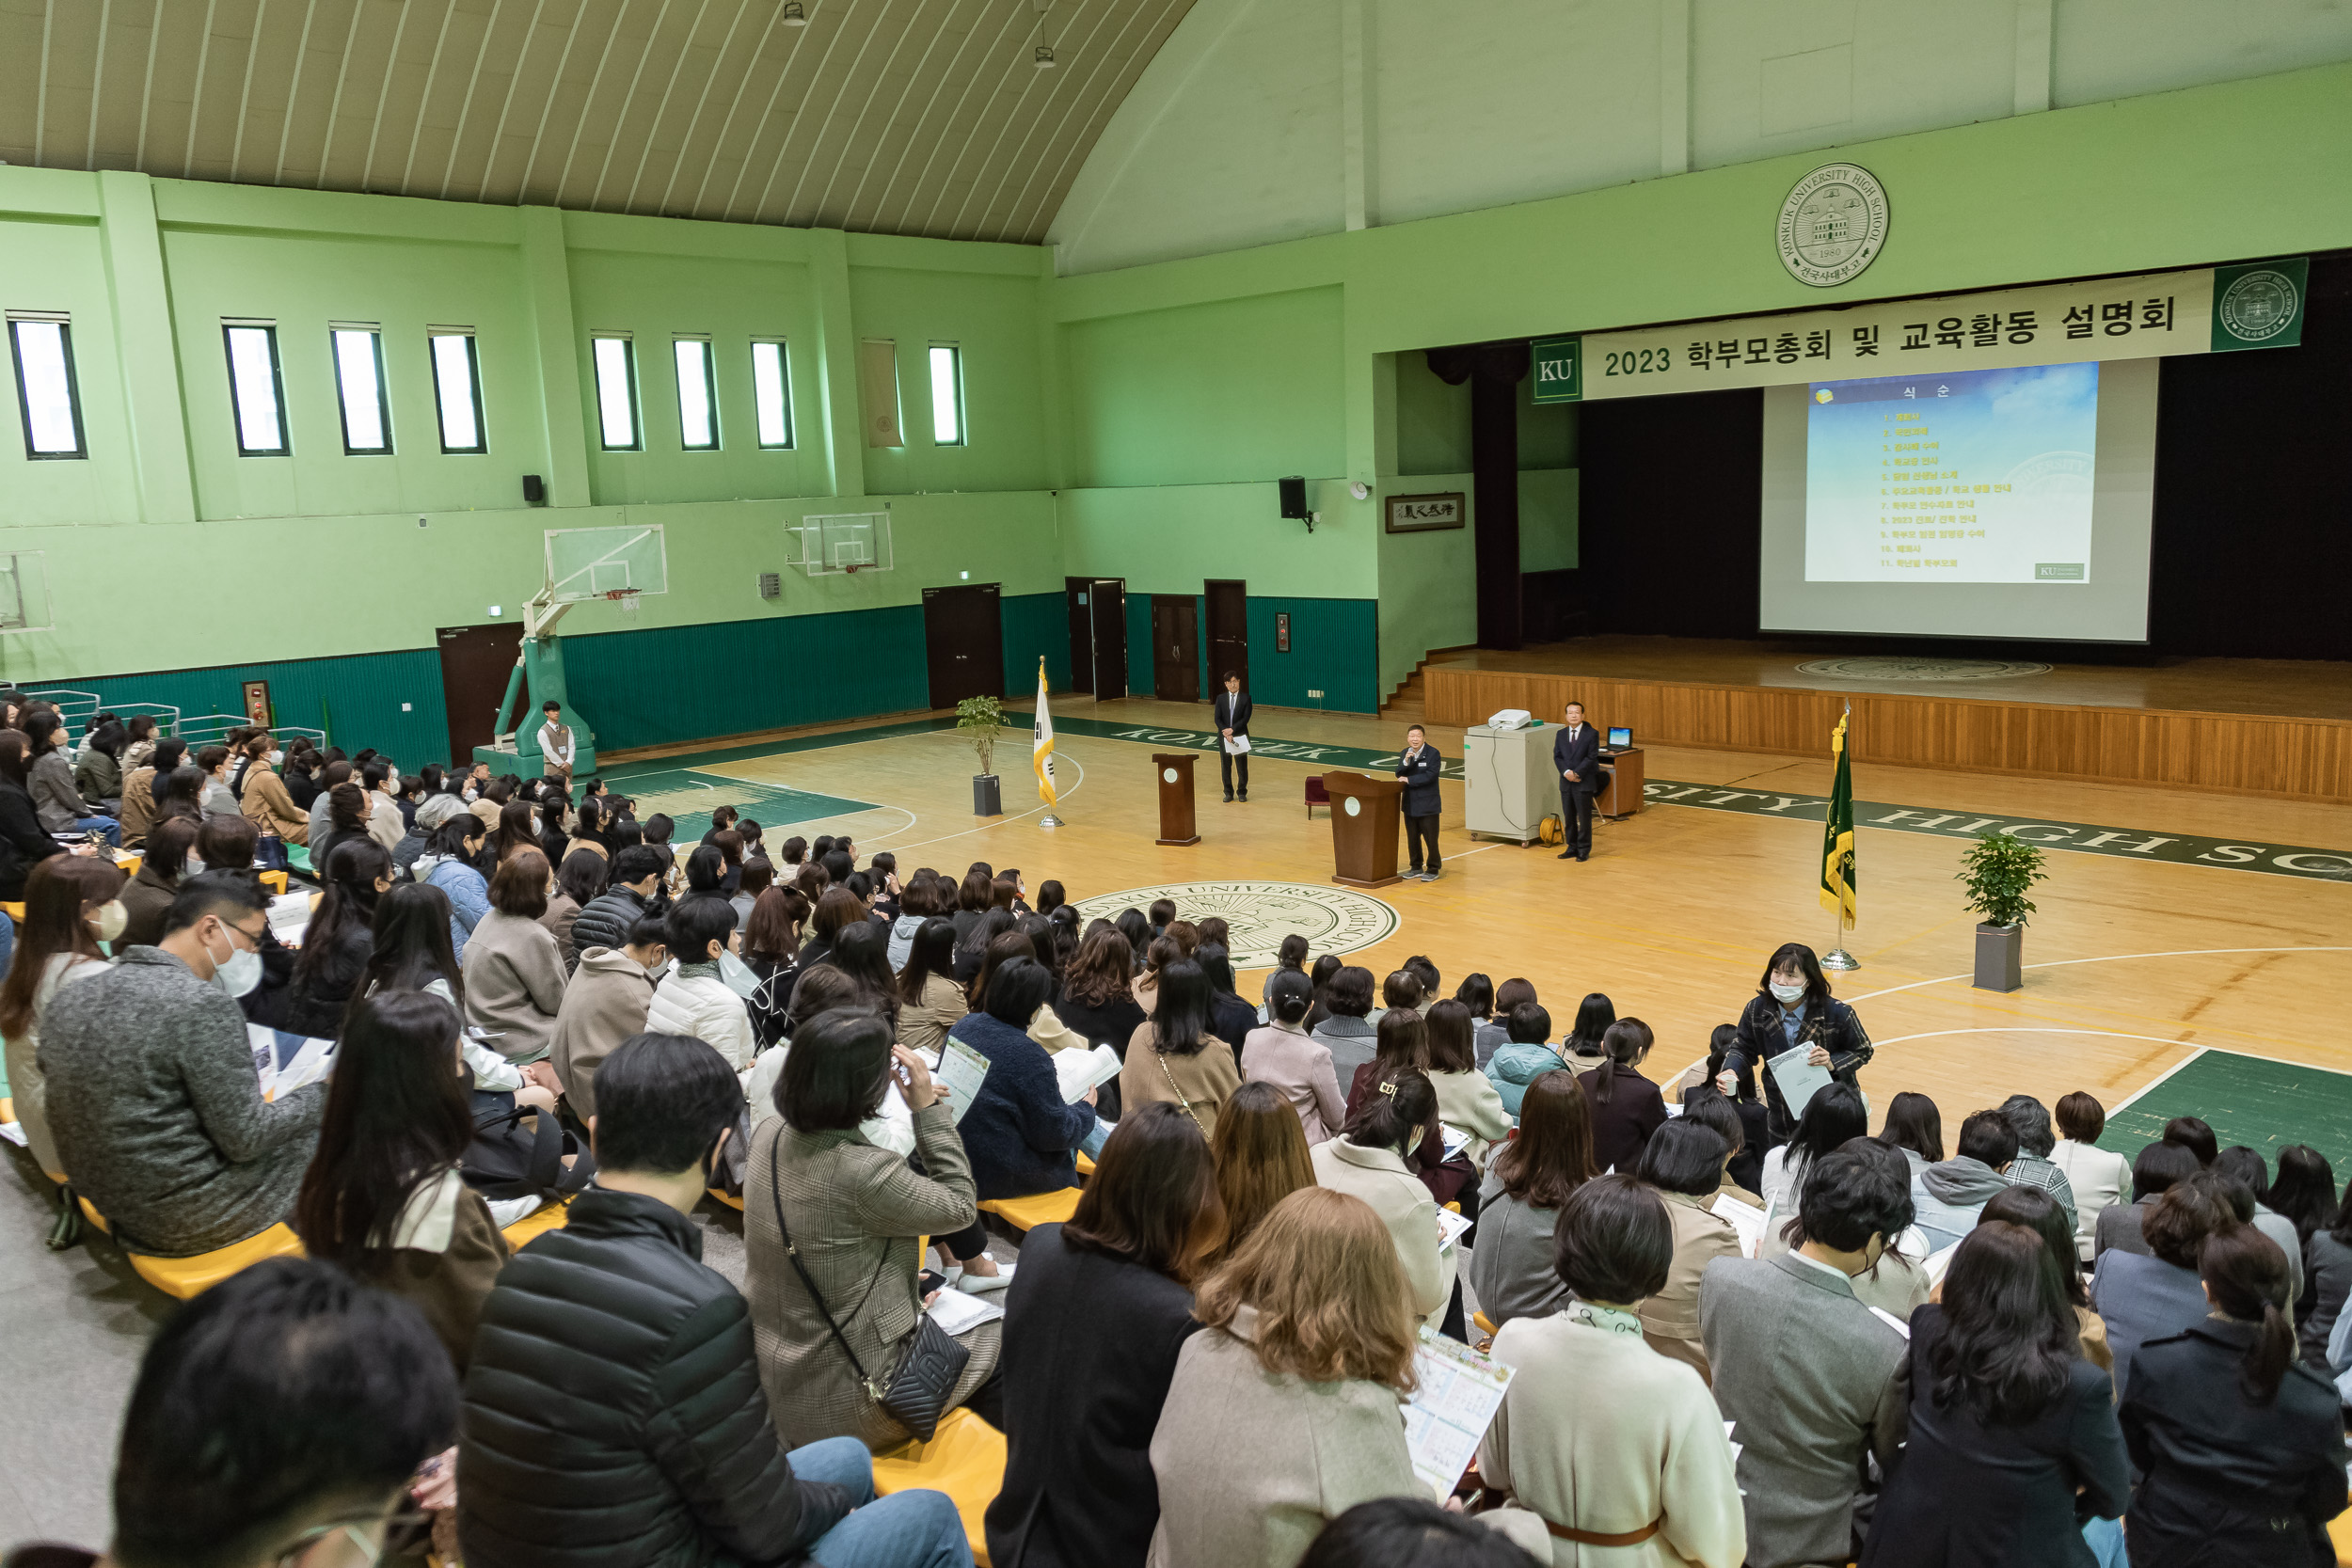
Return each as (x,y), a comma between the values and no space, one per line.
(1620,736)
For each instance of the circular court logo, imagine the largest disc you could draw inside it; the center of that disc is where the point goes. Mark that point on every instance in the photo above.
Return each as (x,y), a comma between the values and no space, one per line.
(2257,305)
(1894,669)
(1258,916)
(1833,225)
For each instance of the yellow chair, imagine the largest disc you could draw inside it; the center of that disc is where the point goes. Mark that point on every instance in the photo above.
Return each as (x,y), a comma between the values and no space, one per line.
(274,880)
(185,1277)
(1485,1324)
(734,1203)
(1085,1164)
(8,1108)
(14,912)
(129,864)
(547,1218)
(965,1459)
(1027,1213)
(2340,1536)
(93,1215)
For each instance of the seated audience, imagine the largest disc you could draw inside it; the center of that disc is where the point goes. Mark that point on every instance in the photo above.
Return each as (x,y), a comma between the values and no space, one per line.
(1403,1045)
(1172,1055)
(321,809)
(611,1359)
(385,1196)
(1493,1014)
(147,897)
(2039,1213)
(1792,1008)
(49,779)
(930,1001)
(1262,1157)
(605,1004)
(1627,1108)
(2194,1134)
(1948,1194)
(1773,1324)
(1290,957)
(1704,1105)
(2155,1170)
(1684,1161)
(24,841)
(97,775)
(1611,1445)
(2240,1449)
(1368,1160)
(1412,1532)
(2036,1142)
(1915,1126)
(1231,1019)
(2305,1191)
(772,945)
(691,999)
(1593,1014)
(1346,999)
(228,844)
(2145,1297)
(513,971)
(1020,1132)
(2246,1165)
(2013,1441)
(1092,1330)
(413,953)
(337,940)
(2097,1177)
(833,1231)
(1897,1283)
(448,863)
(578,879)
(1467,1101)
(1283,1411)
(153,1100)
(1519,1207)
(265,801)
(1525,1054)
(1283,1056)
(71,904)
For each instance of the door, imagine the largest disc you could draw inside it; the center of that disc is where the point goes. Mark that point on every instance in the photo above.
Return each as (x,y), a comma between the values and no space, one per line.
(1080,593)
(476,664)
(1175,648)
(1108,601)
(1228,632)
(963,642)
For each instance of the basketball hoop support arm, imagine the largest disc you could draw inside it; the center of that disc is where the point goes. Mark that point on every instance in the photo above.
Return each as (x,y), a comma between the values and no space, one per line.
(539,672)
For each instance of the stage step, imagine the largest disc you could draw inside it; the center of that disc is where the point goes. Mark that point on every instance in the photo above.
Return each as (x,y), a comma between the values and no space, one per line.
(1406,701)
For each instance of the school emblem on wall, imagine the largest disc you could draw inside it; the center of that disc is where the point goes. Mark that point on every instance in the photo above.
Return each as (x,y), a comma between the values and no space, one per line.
(1260,915)
(1833,225)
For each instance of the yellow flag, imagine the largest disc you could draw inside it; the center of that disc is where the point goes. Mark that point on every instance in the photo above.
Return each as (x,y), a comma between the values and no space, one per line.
(1041,745)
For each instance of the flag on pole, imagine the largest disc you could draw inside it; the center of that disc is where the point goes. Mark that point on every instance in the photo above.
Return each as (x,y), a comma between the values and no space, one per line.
(1041,745)
(1837,862)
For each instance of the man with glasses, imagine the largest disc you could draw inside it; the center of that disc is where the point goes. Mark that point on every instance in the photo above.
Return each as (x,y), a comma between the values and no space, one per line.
(154,1098)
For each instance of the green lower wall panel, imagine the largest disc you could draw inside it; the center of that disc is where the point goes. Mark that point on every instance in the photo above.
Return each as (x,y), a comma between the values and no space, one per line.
(2253,1100)
(358,699)
(1036,624)
(1335,649)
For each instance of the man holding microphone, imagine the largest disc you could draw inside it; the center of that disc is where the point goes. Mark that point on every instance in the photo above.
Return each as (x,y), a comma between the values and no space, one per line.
(1419,766)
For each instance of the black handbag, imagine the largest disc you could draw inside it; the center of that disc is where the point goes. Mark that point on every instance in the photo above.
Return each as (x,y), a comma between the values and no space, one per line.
(507,1160)
(919,1391)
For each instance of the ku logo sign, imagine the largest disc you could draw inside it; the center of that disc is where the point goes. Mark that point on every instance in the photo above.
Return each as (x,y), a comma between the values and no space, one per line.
(1559,370)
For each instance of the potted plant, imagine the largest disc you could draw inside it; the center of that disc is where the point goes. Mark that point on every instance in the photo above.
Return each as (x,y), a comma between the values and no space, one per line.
(1998,871)
(981,720)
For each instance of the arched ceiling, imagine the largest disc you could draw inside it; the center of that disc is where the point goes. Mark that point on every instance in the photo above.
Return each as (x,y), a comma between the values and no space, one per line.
(904,117)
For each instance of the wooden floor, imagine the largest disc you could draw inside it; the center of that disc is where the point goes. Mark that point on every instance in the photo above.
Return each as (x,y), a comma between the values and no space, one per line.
(2131,963)
(2299,688)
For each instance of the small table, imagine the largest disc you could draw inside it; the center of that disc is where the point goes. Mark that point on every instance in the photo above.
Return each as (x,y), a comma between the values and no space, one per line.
(1620,796)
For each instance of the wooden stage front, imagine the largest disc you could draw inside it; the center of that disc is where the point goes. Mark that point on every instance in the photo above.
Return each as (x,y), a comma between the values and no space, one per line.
(2239,726)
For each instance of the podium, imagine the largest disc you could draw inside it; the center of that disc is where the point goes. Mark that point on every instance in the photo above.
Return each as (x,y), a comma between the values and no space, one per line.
(1175,774)
(1620,794)
(1363,827)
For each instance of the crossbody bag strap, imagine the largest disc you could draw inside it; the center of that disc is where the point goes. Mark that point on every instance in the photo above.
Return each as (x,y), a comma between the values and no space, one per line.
(775,1194)
(1169,1074)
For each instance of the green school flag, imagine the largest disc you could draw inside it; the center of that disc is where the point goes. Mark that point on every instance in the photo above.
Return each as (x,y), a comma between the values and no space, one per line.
(1838,866)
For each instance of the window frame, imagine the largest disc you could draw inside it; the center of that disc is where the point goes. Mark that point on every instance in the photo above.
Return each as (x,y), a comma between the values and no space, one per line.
(473,375)
(955,360)
(710,389)
(278,386)
(784,390)
(373,331)
(628,376)
(64,325)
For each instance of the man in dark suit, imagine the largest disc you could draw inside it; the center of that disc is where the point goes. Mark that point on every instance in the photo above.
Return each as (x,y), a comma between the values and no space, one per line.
(1419,767)
(1576,752)
(1233,720)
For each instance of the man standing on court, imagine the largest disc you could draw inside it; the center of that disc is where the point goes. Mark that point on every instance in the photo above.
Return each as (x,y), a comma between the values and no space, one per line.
(1576,752)
(1419,766)
(1232,725)
(556,746)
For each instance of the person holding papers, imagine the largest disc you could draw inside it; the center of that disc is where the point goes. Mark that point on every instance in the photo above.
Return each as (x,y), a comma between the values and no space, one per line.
(1621,1451)
(1020,1132)
(1233,708)
(853,1217)
(1684,1162)
(1511,1269)
(1831,1119)
(1368,1160)
(1791,1009)
(1466,1098)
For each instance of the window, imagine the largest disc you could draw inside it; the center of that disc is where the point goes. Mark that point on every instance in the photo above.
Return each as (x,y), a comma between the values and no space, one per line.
(616,393)
(457,387)
(771,393)
(946,395)
(45,391)
(359,387)
(257,389)
(697,395)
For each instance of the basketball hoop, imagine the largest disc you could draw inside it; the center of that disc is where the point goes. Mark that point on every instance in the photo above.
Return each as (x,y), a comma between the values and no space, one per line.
(851,568)
(625,597)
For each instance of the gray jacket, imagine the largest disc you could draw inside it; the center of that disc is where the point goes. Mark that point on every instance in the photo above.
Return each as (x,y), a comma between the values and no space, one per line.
(1511,1270)
(1813,1382)
(157,1110)
(1951,1195)
(1354,1041)
(50,782)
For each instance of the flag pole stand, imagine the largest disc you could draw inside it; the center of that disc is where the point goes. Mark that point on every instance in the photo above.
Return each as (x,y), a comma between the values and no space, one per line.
(1049,820)
(1839,959)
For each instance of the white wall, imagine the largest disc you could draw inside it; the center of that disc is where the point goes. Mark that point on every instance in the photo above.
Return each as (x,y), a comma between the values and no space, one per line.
(1271,120)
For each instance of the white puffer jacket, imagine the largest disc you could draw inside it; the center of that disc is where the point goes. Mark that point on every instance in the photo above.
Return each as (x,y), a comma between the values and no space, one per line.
(703,1006)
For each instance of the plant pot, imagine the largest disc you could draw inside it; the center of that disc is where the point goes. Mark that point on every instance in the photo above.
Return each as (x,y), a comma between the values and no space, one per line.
(1998,948)
(988,796)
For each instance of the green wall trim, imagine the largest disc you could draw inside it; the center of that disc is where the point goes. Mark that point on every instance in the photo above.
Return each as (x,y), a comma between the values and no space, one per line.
(1335,649)
(358,699)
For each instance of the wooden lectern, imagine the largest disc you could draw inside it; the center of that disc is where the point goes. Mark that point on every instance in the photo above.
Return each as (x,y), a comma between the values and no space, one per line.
(1620,794)
(1175,773)
(1363,827)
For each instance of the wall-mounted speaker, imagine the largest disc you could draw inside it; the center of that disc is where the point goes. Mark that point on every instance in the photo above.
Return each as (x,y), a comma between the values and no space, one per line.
(534,490)
(771,585)
(1294,496)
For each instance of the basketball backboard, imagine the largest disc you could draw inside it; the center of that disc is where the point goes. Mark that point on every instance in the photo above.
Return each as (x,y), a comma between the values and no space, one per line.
(840,543)
(593,562)
(25,593)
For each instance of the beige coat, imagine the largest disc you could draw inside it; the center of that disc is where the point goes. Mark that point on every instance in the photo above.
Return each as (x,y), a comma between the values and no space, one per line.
(1469,1101)
(1251,1465)
(604,1005)
(514,985)
(1203,1081)
(27,1085)
(1402,1203)
(922,1025)
(271,808)
(1599,1434)
(1670,1319)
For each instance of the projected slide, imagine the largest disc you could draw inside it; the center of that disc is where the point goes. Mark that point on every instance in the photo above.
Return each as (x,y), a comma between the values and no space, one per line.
(1976,476)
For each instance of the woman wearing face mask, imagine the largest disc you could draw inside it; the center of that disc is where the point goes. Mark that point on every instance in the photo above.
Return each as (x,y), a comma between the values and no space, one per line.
(1792,1008)
(50,778)
(148,895)
(264,799)
(695,998)
(339,938)
(71,904)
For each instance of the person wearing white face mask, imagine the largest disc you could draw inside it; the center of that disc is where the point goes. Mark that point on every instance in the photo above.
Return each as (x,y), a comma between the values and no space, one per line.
(71,904)
(694,997)
(384,823)
(153,1100)
(1792,1008)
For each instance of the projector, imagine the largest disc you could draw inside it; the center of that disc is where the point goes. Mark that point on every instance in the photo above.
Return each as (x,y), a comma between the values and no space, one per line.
(1511,719)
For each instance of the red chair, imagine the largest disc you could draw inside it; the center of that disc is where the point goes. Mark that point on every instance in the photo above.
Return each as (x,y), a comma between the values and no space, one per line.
(1316,795)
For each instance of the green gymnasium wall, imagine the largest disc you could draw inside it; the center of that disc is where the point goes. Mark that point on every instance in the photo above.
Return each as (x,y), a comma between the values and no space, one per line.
(1128,424)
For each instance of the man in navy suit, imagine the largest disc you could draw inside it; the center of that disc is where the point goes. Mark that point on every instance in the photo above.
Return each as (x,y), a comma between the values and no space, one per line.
(1419,767)
(1576,752)
(1231,708)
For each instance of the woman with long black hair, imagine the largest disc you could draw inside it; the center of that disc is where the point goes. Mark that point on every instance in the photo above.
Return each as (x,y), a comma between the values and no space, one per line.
(1627,1108)
(413,953)
(1173,1056)
(1834,1115)
(2014,1442)
(339,939)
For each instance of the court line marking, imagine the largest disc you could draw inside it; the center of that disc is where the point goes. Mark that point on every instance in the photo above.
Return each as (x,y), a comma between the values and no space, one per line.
(2151,1085)
(1060,795)
(2101,959)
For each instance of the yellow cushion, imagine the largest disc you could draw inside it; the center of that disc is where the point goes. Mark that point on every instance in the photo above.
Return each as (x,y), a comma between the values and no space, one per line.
(1485,1324)
(274,880)
(965,1459)
(1085,1164)
(14,912)
(185,1277)
(2340,1535)
(734,1203)
(1027,1213)
(93,1215)
(547,1218)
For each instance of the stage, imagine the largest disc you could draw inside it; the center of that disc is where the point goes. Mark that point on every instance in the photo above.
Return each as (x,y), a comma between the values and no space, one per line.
(2280,728)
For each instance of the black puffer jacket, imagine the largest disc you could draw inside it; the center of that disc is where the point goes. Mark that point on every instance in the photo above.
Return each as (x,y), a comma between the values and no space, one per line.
(604,920)
(613,1414)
